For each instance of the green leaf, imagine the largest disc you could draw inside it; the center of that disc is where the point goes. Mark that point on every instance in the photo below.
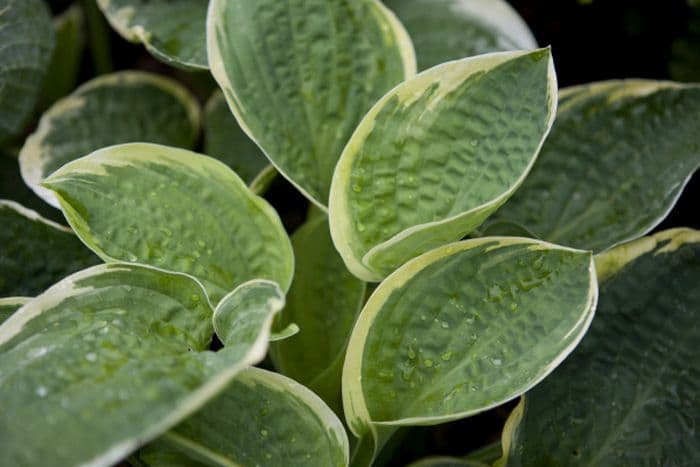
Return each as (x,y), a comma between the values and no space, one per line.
(324,301)
(36,252)
(27,39)
(172,31)
(176,210)
(284,424)
(444,30)
(615,163)
(300,76)
(437,155)
(105,361)
(143,107)
(464,328)
(446,462)
(63,69)
(9,305)
(225,140)
(630,393)
(245,307)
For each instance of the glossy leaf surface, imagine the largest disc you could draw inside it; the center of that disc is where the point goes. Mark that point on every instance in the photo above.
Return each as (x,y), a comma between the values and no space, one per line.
(142,108)
(225,140)
(444,30)
(105,361)
(615,163)
(324,302)
(630,393)
(172,31)
(177,210)
(464,328)
(27,39)
(437,155)
(299,76)
(262,418)
(35,252)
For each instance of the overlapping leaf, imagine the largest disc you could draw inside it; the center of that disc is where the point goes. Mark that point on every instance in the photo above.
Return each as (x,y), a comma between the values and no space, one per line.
(27,39)
(618,157)
(173,31)
(444,30)
(262,418)
(36,252)
(630,394)
(461,329)
(225,140)
(299,76)
(177,210)
(118,108)
(108,359)
(437,155)
(324,301)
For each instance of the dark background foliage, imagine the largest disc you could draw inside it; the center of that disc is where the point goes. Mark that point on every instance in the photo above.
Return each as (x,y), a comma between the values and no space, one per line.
(591,40)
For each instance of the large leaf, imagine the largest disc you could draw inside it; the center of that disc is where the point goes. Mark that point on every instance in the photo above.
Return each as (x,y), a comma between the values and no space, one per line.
(118,108)
(437,155)
(36,252)
(630,394)
(225,140)
(461,329)
(299,76)
(324,301)
(614,165)
(172,30)
(284,424)
(105,361)
(9,305)
(177,210)
(27,39)
(444,30)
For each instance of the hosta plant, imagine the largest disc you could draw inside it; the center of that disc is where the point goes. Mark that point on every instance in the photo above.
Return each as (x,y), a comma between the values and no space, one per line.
(459,229)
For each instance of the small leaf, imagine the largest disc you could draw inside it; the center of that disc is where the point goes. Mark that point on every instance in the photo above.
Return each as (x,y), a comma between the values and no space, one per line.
(36,252)
(176,210)
(27,39)
(630,393)
(9,305)
(437,155)
(464,328)
(105,361)
(324,301)
(225,140)
(262,418)
(142,108)
(444,30)
(617,160)
(299,76)
(172,31)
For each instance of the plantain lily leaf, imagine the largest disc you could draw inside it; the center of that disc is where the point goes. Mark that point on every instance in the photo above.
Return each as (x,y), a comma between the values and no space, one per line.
(198,217)
(36,252)
(105,361)
(142,107)
(630,393)
(324,301)
(300,76)
(224,140)
(172,31)
(615,147)
(437,155)
(27,39)
(461,329)
(9,305)
(446,462)
(243,308)
(63,69)
(444,30)
(285,425)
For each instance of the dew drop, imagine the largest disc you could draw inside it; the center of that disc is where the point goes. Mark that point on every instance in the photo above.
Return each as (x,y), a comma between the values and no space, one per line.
(41,391)
(264,433)
(428,363)
(38,352)
(446,356)
(496,361)
(91,357)
(513,306)
(445,325)
(356,188)
(194,297)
